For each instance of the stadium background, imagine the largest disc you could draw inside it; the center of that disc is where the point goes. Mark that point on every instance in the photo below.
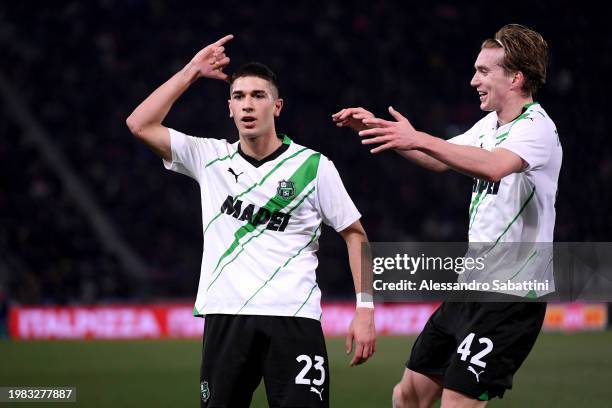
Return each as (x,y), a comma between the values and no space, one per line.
(89,217)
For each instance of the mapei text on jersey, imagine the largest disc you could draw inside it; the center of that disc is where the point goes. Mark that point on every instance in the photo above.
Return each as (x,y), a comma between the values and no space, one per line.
(277,221)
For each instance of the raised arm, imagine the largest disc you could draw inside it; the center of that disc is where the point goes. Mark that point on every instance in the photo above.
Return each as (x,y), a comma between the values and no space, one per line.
(361,330)
(354,118)
(146,121)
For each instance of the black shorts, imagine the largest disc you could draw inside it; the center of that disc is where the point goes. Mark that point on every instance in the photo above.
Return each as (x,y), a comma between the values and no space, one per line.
(288,352)
(477,347)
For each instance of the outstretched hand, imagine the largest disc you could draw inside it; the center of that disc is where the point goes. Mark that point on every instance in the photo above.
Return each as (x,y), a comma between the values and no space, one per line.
(352,118)
(210,61)
(398,135)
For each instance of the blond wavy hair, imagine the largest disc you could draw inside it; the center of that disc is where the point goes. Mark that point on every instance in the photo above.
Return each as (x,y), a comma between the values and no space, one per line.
(525,50)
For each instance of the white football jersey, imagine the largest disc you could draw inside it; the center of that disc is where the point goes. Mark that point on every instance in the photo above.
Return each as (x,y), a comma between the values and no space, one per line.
(261,224)
(519,208)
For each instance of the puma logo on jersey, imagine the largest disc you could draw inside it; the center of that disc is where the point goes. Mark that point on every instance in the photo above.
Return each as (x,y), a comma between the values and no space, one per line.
(471,369)
(320,393)
(234,173)
(277,221)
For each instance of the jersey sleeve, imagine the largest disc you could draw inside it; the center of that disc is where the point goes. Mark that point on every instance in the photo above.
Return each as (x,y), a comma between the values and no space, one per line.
(336,207)
(191,154)
(531,140)
(469,138)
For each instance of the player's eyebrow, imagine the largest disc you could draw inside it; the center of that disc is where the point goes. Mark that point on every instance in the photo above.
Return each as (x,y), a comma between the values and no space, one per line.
(482,68)
(253,92)
(258,92)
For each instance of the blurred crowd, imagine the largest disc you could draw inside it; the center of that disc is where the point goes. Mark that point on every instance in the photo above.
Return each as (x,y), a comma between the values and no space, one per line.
(81,68)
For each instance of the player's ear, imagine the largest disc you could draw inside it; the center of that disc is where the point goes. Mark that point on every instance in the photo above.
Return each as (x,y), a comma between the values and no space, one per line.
(518,80)
(229,106)
(278,105)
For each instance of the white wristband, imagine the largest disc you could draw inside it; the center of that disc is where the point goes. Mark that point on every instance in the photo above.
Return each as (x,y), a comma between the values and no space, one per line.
(365,300)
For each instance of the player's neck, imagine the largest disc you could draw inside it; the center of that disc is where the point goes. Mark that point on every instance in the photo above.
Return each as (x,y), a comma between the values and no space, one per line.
(260,147)
(512,109)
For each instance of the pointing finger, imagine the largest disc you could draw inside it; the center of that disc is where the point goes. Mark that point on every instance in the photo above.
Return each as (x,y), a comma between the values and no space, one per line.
(225,39)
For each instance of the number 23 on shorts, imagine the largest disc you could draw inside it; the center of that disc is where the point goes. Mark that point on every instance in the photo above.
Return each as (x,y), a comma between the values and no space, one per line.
(304,377)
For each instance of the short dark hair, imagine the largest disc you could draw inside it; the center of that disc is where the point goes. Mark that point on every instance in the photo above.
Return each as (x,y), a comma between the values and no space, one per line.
(256,69)
(524,50)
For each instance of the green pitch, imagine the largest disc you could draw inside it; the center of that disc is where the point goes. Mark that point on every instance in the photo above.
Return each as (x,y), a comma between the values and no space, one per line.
(562,371)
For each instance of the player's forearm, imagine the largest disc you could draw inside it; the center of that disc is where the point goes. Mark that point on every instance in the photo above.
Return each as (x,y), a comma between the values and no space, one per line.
(469,160)
(423,160)
(153,110)
(354,244)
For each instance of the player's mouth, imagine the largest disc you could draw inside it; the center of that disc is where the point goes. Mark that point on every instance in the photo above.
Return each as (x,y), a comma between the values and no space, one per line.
(482,95)
(248,121)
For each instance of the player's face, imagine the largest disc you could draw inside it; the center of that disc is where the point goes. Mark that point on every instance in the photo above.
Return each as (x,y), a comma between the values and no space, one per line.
(253,105)
(490,80)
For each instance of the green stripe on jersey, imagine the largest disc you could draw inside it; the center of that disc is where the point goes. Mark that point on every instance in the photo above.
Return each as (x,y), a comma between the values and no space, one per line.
(229,156)
(524,265)
(308,297)
(475,204)
(476,201)
(514,219)
(475,213)
(312,238)
(301,178)
(255,236)
(286,139)
(524,115)
(504,136)
(259,183)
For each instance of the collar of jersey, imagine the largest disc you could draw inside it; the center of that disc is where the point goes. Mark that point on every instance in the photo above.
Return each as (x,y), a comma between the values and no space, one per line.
(280,150)
(523,110)
(529,105)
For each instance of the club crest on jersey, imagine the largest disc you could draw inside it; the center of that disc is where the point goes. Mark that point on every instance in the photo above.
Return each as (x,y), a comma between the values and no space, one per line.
(204,391)
(286,189)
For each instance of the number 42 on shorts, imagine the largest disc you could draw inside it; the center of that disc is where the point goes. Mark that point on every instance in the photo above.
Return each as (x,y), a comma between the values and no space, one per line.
(465,349)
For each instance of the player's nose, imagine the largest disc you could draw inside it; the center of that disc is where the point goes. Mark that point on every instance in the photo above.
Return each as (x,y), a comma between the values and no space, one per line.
(475,81)
(248,104)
